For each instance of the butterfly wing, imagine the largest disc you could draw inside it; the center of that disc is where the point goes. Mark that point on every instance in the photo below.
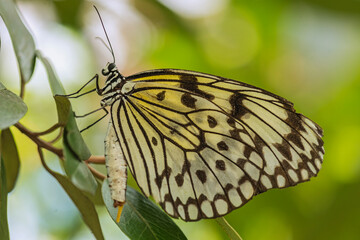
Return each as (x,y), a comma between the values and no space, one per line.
(203,145)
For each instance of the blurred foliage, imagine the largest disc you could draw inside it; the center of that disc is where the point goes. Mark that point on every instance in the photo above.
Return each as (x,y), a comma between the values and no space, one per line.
(306,51)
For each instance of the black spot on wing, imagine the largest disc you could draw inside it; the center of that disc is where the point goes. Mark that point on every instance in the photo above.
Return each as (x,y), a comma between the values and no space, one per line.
(237,107)
(222,146)
(211,121)
(294,121)
(296,139)
(201,175)
(179,180)
(220,164)
(160,96)
(154,141)
(284,149)
(231,122)
(189,82)
(188,100)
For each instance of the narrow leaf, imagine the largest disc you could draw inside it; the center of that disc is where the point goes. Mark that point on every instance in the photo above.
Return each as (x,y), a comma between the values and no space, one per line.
(62,104)
(74,139)
(10,157)
(4,229)
(78,172)
(84,204)
(75,149)
(141,218)
(21,38)
(12,108)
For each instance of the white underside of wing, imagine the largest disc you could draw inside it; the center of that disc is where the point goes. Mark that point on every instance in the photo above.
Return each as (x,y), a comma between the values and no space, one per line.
(203,150)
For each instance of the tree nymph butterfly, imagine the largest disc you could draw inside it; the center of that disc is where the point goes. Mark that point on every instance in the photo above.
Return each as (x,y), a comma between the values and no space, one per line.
(202,145)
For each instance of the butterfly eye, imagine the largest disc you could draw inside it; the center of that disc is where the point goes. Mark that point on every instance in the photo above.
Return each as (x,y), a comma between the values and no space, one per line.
(111,66)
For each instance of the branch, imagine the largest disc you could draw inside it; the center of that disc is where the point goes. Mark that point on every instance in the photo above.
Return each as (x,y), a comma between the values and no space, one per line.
(51,129)
(95,172)
(22,88)
(41,143)
(96,160)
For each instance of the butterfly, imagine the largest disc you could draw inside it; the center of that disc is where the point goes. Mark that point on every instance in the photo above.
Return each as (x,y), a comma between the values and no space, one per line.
(202,145)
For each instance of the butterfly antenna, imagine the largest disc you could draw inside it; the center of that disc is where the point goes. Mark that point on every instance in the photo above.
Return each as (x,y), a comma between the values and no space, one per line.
(107,37)
(103,42)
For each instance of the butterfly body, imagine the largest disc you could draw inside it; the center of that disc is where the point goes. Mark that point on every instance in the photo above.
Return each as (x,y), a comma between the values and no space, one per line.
(204,145)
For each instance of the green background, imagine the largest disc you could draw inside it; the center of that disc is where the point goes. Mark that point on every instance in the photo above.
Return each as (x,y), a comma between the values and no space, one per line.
(306,51)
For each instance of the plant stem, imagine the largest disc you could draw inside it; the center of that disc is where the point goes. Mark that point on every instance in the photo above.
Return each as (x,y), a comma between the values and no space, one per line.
(22,88)
(95,172)
(41,143)
(59,152)
(96,160)
(230,231)
(51,129)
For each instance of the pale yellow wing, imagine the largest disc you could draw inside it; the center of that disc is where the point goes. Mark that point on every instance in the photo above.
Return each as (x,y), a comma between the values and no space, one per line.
(203,145)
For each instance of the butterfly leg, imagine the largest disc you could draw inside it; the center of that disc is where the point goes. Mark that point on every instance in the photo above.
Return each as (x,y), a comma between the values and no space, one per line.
(106,113)
(116,169)
(96,77)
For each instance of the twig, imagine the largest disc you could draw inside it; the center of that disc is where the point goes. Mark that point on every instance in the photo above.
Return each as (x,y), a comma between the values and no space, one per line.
(43,160)
(22,88)
(96,160)
(59,152)
(58,136)
(51,129)
(41,143)
(229,230)
(95,172)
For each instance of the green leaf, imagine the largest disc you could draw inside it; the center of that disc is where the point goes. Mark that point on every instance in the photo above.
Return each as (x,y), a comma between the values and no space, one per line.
(10,157)
(62,103)
(83,203)
(97,197)
(75,151)
(141,218)
(63,108)
(78,172)
(12,108)
(21,38)
(74,139)
(4,229)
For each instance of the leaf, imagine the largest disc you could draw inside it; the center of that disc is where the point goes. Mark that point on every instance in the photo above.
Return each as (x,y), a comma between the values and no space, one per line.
(21,38)
(12,108)
(10,157)
(63,108)
(141,218)
(97,197)
(83,203)
(75,149)
(4,229)
(75,140)
(62,103)
(78,172)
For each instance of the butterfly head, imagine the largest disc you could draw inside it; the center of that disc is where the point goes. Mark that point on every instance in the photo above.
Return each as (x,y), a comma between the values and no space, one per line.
(109,68)
(113,84)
